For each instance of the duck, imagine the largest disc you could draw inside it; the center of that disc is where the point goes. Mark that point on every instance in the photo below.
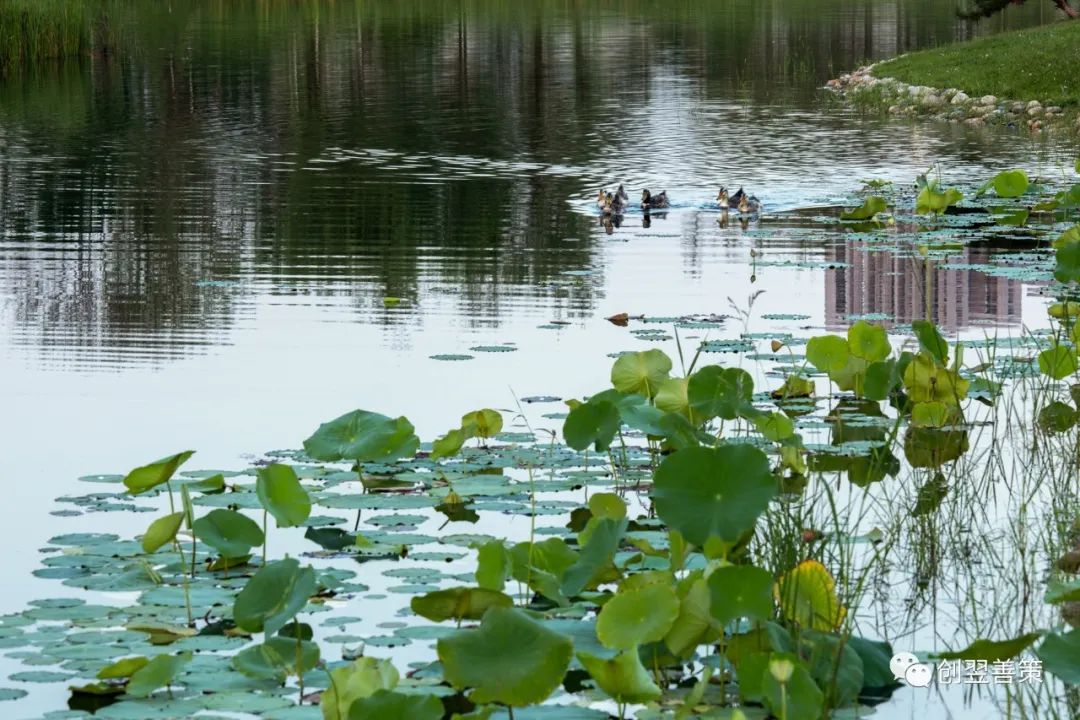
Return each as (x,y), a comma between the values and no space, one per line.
(748,205)
(653,202)
(725,201)
(612,203)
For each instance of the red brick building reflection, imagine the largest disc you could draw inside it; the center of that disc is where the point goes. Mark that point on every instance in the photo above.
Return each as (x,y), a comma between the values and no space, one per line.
(905,288)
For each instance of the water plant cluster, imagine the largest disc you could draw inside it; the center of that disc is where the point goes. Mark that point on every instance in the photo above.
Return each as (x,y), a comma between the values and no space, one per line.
(692,544)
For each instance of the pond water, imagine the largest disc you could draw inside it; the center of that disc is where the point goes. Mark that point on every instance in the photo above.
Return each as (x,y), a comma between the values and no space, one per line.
(257,216)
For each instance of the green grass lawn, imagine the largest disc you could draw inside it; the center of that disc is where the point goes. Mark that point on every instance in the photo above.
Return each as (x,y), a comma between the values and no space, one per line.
(1038,64)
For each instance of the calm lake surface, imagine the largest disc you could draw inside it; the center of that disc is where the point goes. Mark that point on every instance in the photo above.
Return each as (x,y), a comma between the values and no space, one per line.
(198,235)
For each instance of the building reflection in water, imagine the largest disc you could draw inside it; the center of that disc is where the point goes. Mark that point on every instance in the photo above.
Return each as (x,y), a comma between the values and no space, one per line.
(900,288)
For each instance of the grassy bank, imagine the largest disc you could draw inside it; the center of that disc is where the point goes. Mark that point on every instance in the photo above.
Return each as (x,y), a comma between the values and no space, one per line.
(35,30)
(1035,64)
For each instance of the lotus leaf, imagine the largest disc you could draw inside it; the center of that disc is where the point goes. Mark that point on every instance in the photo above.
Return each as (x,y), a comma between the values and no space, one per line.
(796,697)
(622,677)
(807,596)
(672,396)
(281,493)
(1010,183)
(388,705)
(1059,652)
(637,616)
(591,423)
(484,423)
(162,531)
(360,679)
(157,473)
(930,340)
(230,533)
(870,207)
(493,565)
(510,659)
(640,372)
(991,650)
(460,603)
(713,492)
(828,353)
(927,381)
(714,391)
(449,444)
(741,591)
(160,671)
(273,596)
(363,436)
(869,342)
(1058,362)
(277,658)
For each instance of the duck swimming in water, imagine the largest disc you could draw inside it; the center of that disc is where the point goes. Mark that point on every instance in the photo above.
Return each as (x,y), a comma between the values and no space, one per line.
(653,202)
(725,201)
(748,205)
(612,203)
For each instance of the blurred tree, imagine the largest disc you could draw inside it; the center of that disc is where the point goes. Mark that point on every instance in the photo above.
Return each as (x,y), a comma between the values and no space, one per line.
(986,8)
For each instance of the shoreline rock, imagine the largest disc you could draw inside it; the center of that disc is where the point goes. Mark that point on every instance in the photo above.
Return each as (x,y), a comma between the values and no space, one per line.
(861,88)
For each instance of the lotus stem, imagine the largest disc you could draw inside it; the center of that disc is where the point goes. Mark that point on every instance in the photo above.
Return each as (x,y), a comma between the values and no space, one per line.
(299,661)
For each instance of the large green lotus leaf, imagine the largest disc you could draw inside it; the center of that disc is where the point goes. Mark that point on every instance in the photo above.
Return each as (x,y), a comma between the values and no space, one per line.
(774,426)
(604,535)
(875,656)
(930,340)
(640,372)
(150,476)
(870,207)
(484,423)
(1060,655)
(1010,183)
(834,665)
(881,377)
(277,658)
(622,677)
(281,493)
(695,624)
(991,650)
(852,376)
(869,342)
(741,591)
(273,596)
(931,201)
(162,531)
(1058,362)
(591,423)
(926,381)
(388,705)
(637,616)
(542,565)
(799,696)
(460,603)
(713,492)
(159,672)
(510,659)
(672,396)
(808,597)
(230,533)
(714,391)
(348,684)
(363,436)
(828,353)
